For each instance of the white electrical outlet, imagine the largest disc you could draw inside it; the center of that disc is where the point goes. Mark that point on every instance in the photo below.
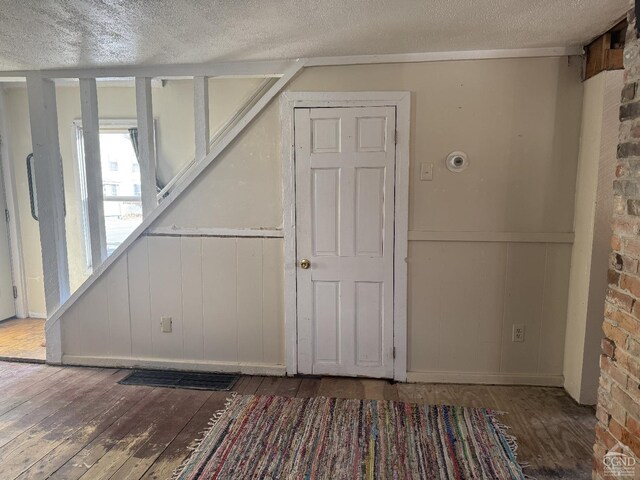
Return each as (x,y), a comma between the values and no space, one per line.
(165,324)
(517,334)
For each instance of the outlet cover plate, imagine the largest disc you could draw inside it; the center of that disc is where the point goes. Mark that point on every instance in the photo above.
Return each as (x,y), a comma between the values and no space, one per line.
(517,334)
(166,324)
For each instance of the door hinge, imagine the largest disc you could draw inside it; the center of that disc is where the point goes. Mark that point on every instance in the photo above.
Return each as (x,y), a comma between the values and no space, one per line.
(15,292)
(394,353)
(7,215)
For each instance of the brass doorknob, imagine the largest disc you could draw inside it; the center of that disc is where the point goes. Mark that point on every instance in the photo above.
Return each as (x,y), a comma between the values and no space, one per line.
(304,263)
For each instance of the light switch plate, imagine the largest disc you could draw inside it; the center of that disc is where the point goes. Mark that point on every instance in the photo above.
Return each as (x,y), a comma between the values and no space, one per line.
(426,171)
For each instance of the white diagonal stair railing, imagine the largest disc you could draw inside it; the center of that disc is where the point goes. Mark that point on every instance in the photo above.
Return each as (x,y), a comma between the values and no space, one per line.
(48,176)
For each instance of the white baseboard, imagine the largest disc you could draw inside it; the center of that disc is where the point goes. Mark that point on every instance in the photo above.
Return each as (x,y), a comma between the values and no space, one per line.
(42,316)
(190,365)
(486,378)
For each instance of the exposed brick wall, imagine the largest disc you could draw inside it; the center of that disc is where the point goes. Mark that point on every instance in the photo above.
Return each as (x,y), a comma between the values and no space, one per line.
(618,410)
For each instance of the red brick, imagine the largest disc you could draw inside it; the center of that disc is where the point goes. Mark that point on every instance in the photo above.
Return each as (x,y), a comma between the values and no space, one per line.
(608,347)
(615,243)
(602,415)
(630,284)
(631,246)
(605,437)
(621,397)
(616,334)
(613,278)
(633,425)
(611,369)
(620,299)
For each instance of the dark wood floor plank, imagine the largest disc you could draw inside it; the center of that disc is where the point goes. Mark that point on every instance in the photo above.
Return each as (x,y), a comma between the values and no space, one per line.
(67,423)
(178,450)
(36,393)
(20,374)
(341,387)
(288,387)
(253,385)
(136,466)
(130,399)
(309,387)
(269,386)
(136,419)
(143,442)
(30,413)
(31,446)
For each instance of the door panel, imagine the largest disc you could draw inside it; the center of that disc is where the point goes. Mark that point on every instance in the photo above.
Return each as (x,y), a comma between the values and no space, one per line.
(345,174)
(7,303)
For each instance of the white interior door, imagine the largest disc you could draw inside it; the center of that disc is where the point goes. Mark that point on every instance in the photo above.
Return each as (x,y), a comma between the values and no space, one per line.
(345,180)
(7,303)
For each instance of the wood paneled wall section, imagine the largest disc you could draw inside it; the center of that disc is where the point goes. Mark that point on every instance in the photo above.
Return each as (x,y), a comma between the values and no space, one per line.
(464,298)
(224,296)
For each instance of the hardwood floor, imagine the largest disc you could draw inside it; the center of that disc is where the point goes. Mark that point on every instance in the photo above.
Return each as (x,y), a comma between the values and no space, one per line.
(72,422)
(22,339)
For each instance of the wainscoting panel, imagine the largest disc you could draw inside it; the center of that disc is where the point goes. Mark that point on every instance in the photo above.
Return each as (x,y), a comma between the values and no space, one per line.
(224,297)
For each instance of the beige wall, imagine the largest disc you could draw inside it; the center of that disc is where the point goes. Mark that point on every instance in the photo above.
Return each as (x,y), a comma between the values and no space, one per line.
(173,111)
(594,208)
(519,122)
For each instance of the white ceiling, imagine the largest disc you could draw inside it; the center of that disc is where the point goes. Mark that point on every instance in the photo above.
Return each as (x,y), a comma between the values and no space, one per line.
(36,34)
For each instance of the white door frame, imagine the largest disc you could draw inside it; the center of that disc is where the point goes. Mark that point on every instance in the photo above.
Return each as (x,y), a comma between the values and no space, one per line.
(402,101)
(11,197)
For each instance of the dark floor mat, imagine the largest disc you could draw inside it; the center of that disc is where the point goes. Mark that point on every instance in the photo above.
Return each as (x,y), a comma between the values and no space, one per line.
(196,381)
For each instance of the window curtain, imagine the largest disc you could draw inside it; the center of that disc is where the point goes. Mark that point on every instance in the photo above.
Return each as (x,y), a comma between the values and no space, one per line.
(133,136)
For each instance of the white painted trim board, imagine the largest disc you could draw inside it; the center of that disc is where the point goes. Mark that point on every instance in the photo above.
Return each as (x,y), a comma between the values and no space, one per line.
(275,67)
(159,363)
(486,378)
(501,237)
(216,232)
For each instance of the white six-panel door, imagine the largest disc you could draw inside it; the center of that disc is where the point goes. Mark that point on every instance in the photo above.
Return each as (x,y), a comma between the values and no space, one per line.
(345,179)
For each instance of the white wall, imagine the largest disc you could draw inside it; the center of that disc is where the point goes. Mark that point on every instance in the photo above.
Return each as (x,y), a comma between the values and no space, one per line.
(489,245)
(594,208)
(224,296)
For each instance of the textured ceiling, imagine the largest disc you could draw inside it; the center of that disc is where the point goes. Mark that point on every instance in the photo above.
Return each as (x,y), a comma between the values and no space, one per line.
(36,34)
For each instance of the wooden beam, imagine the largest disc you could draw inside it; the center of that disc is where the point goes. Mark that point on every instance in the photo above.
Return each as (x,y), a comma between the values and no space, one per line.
(43,115)
(146,146)
(93,169)
(201,113)
(259,68)
(606,51)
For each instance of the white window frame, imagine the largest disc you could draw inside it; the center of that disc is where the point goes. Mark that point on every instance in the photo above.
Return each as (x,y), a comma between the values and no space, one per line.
(81,183)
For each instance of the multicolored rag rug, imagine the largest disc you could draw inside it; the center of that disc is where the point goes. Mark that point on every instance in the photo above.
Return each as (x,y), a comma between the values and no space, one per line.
(267,437)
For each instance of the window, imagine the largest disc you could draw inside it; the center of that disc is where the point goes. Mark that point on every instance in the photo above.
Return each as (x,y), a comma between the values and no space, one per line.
(120,183)
(109,190)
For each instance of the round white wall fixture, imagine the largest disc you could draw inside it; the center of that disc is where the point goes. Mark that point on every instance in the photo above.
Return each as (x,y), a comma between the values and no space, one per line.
(457,161)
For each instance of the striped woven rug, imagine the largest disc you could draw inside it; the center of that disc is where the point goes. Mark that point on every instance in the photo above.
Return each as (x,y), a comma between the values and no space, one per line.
(267,437)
